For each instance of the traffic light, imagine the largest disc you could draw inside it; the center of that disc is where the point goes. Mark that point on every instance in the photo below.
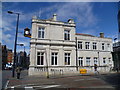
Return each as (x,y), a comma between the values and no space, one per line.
(27,32)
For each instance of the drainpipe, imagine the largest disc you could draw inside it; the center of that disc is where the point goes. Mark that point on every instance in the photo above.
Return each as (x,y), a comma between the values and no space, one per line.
(98,58)
(76,55)
(47,71)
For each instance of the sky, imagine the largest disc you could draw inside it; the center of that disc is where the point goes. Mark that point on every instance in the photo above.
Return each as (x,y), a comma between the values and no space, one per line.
(90,18)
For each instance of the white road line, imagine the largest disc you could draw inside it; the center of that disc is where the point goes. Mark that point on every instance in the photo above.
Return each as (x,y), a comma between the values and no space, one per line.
(86,79)
(29,87)
(50,86)
(79,80)
(6,84)
(12,87)
(21,85)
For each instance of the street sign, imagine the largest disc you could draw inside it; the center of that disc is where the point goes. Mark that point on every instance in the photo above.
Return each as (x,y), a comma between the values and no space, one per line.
(83,71)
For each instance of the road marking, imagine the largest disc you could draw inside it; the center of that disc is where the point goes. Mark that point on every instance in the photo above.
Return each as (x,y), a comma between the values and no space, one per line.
(106,86)
(6,84)
(86,79)
(29,87)
(12,87)
(79,80)
(50,86)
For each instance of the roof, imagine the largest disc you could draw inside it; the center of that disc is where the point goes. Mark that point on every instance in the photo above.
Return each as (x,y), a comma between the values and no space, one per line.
(84,34)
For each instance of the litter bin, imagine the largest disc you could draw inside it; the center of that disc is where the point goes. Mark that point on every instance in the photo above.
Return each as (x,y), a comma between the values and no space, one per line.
(83,71)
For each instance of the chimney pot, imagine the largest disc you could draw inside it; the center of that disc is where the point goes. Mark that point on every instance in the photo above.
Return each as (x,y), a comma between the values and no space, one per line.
(34,17)
(54,17)
(71,21)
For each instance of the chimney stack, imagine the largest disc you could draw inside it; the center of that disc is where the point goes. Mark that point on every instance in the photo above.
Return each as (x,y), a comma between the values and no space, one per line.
(34,17)
(101,35)
(71,21)
(54,17)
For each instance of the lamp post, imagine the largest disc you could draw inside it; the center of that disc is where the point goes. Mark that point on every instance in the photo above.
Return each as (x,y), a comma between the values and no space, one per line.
(24,51)
(22,45)
(15,44)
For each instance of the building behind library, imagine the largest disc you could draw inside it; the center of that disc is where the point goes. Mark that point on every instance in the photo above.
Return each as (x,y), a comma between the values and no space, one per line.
(55,47)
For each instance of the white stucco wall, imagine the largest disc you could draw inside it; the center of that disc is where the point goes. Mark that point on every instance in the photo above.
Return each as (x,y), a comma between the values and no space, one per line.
(54,42)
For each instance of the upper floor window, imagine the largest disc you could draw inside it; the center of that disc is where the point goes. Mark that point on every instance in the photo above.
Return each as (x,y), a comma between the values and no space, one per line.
(108,46)
(87,45)
(79,45)
(94,45)
(103,46)
(41,31)
(40,58)
(80,61)
(67,58)
(66,35)
(54,58)
(109,60)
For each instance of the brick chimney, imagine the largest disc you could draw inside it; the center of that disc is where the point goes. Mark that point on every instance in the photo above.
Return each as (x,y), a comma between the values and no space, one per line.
(101,35)
(54,17)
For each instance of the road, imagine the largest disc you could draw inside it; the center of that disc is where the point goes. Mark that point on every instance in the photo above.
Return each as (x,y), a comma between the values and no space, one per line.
(108,81)
(6,74)
(112,79)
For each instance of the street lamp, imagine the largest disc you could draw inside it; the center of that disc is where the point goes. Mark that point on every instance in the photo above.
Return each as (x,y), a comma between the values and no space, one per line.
(24,50)
(14,61)
(22,45)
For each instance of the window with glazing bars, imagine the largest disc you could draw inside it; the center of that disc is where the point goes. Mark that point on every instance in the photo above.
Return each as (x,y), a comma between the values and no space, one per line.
(67,58)
(41,32)
(66,35)
(40,58)
(54,58)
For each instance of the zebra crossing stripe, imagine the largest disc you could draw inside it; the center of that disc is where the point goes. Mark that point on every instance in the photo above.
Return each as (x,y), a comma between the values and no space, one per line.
(50,86)
(29,87)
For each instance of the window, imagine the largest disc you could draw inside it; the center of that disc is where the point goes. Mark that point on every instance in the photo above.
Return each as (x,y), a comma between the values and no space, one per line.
(87,45)
(88,61)
(104,61)
(80,61)
(109,60)
(108,46)
(41,32)
(94,45)
(95,60)
(40,58)
(54,58)
(103,46)
(67,58)
(66,35)
(79,45)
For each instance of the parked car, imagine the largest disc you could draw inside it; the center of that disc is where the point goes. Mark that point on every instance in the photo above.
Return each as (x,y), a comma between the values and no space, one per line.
(8,66)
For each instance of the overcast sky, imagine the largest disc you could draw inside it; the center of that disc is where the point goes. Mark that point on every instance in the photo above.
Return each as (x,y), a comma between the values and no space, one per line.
(90,18)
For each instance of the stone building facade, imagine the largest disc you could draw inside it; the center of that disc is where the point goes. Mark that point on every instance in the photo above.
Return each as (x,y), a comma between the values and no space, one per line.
(93,50)
(54,49)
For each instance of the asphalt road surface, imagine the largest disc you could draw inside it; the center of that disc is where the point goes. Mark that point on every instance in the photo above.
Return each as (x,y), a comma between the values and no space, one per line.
(112,79)
(6,74)
(104,81)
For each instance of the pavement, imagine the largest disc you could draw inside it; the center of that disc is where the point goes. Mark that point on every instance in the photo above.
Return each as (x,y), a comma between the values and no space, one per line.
(65,82)
(0,79)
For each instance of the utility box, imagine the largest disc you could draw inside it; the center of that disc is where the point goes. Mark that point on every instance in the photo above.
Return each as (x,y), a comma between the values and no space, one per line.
(83,71)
